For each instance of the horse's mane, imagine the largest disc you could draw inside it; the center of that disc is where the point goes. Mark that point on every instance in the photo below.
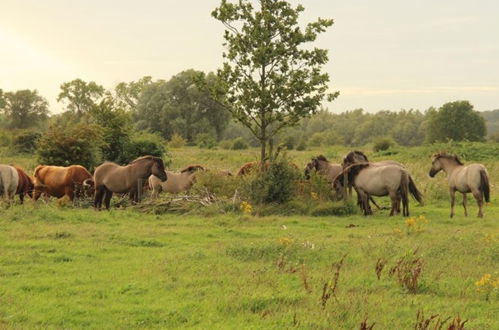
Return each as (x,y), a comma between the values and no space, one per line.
(147,157)
(351,171)
(444,154)
(321,157)
(350,156)
(193,168)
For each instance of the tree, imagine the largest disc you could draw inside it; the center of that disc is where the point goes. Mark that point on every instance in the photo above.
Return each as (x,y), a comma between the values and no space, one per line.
(80,96)
(25,108)
(127,94)
(179,106)
(455,121)
(2,100)
(269,80)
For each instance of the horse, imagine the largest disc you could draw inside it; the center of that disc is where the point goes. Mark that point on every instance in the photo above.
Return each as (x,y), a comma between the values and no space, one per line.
(391,180)
(176,182)
(355,157)
(9,179)
(472,178)
(25,184)
(250,167)
(59,181)
(324,167)
(112,178)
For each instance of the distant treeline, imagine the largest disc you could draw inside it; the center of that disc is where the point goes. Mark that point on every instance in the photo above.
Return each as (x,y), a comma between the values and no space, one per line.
(180,110)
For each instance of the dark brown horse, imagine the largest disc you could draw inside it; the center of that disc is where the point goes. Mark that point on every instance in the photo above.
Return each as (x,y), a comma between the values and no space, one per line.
(25,184)
(112,178)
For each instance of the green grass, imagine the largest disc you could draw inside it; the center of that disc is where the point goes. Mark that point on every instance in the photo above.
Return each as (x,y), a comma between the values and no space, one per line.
(63,267)
(77,268)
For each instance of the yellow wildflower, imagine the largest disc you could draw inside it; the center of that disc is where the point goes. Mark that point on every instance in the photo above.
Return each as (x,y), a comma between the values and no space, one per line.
(285,241)
(314,196)
(246,207)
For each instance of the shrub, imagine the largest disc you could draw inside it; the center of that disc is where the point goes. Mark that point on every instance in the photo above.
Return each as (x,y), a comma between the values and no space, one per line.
(176,141)
(333,208)
(225,144)
(302,145)
(383,143)
(205,141)
(215,183)
(145,144)
(73,144)
(239,144)
(25,142)
(275,185)
(5,138)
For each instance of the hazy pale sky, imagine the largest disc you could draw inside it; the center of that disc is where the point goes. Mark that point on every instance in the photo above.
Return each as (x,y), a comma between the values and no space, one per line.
(385,54)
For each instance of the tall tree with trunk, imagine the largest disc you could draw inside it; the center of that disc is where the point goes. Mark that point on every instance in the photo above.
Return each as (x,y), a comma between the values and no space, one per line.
(25,108)
(80,96)
(271,77)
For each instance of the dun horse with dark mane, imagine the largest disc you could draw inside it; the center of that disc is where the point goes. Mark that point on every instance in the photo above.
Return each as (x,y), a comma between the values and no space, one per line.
(112,178)
(470,178)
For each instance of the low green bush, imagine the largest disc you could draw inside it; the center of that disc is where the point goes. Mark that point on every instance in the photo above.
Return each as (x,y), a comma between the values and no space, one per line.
(383,143)
(333,209)
(239,144)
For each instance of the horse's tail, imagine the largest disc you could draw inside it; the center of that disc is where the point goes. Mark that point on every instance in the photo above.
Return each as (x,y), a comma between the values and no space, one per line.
(484,185)
(404,193)
(414,191)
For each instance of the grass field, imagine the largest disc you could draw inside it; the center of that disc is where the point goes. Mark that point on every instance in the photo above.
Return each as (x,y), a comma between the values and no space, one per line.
(76,268)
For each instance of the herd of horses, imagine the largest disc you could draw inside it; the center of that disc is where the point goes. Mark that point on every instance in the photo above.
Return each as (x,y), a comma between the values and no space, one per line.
(355,172)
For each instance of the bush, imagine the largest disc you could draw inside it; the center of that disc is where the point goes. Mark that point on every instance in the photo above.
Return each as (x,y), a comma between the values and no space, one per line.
(302,145)
(333,208)
(216,183)
(5,138)
(25,142)
(205,141)
(70,145)
(275,185)
(176,141)
(383,143)
(239,144)
(225,144)
(145,144)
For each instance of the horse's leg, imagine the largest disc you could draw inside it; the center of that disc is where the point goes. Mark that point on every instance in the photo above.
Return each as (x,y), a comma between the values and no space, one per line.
(21,198)
(479,200)
(107,198)
(394,196)
(99,194)
(452,192)
(465,201)
(375,204)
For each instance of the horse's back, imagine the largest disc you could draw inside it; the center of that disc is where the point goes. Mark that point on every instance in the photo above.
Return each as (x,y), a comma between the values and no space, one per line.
(380,180)
(467,178)
(9,179)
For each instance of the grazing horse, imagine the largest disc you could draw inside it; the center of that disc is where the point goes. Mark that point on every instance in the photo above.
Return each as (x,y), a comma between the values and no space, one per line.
(112,178)
(176,182)
(250,167)
(324,167)
(58,181)
(391,180)
(25,185)
(470,178)
(9,179)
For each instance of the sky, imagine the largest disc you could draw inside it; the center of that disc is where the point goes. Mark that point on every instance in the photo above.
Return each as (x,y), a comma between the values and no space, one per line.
(384,54)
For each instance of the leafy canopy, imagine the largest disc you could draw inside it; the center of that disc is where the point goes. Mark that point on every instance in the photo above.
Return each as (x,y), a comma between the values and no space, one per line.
(24,108)
(80,96)
(269,80)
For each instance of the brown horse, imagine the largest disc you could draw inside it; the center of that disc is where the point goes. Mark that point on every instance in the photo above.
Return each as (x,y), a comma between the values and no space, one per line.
(470,178)
(112,178)
(25,184)
(391,180)
(355,157)
(250,167)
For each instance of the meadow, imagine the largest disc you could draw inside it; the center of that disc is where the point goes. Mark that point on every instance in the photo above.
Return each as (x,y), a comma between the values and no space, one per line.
(71,267)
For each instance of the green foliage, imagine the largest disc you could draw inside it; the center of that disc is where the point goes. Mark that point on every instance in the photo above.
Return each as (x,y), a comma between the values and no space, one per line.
(178,106)
(116,129)
(270,79)
(239,144)
(72,144)
(383,143)
(25,142)
(225,144)
(176,141)
(339,208)
(127,94)
(24,108)
(455,121)
(275,185)
(80,96)
(145,144)
(205,141)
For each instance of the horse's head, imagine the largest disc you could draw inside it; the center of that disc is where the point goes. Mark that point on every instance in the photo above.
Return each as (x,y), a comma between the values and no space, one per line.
(442,159)
(88,186)
(354,157)
(158,169)
(338,187)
